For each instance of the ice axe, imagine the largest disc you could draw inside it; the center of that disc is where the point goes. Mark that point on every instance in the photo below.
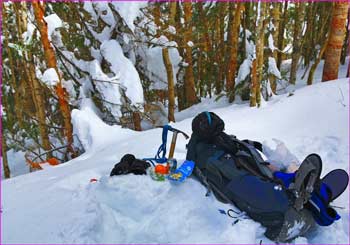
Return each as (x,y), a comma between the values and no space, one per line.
(159,169)
(160,157)
(173,140)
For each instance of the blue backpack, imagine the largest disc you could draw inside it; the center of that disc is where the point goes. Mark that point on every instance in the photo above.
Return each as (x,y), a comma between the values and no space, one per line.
(234,171)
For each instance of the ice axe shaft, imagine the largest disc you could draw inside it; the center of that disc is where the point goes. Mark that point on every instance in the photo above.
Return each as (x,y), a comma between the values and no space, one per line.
(173,144)
(173,141)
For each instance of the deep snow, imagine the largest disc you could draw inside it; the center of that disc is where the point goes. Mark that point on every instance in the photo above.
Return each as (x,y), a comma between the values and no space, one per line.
(60,205)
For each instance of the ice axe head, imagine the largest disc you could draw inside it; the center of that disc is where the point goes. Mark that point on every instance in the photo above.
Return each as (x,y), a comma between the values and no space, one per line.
(176,131)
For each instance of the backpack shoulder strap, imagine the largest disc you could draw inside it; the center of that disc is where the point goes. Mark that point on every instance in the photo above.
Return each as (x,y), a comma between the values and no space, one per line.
(256,144)
(241,150)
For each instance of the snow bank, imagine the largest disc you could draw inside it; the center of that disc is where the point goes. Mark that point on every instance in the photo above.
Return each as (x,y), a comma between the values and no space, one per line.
(92,131)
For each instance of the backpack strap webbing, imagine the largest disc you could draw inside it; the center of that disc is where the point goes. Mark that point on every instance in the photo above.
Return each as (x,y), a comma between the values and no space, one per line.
(239,149)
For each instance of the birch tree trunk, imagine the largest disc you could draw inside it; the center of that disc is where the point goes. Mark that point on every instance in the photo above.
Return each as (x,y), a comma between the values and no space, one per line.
(345,50)
(52,63)
(335,43)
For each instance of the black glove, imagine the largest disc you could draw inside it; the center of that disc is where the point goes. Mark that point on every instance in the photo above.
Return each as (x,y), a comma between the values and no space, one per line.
(129,164)
(123,166)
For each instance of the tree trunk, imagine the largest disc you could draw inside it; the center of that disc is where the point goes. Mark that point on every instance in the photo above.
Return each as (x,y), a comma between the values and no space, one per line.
(276,22)
(36,90)
(206,70)
(345,50)
(253,85)
(190,93)
(136,118)
(260,51)
(169,69)
(180,87)
(7,172)
(172,13)
(281,28)
(220,49)
(171,90)
(335,44)
(52,63)
(14,83)
(309,33)
(166,60)
(156,15)
(234,22)
(248,15)
(39,104)
(317,61)
(296,41)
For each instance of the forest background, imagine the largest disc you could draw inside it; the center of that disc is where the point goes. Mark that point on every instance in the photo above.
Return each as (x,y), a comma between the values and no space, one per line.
(138,63)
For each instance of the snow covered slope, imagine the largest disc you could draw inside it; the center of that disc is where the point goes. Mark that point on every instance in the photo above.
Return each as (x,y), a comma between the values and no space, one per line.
(60,205)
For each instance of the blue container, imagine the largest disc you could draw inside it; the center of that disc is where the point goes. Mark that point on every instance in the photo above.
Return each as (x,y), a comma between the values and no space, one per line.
(184,171)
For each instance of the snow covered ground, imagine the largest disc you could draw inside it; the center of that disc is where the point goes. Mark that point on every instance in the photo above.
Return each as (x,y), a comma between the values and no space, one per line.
(302,81)
(60,205)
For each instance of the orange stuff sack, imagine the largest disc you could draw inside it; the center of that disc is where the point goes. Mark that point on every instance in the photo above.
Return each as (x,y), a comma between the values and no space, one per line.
(161,169)
(52,161)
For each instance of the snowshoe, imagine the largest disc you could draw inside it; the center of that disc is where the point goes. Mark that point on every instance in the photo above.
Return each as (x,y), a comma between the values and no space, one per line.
(306,177)
(329,188)
(296,223)
(336,181)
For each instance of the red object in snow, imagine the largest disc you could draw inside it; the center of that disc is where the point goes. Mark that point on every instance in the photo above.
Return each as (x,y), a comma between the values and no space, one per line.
(93,180)
(161,169)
